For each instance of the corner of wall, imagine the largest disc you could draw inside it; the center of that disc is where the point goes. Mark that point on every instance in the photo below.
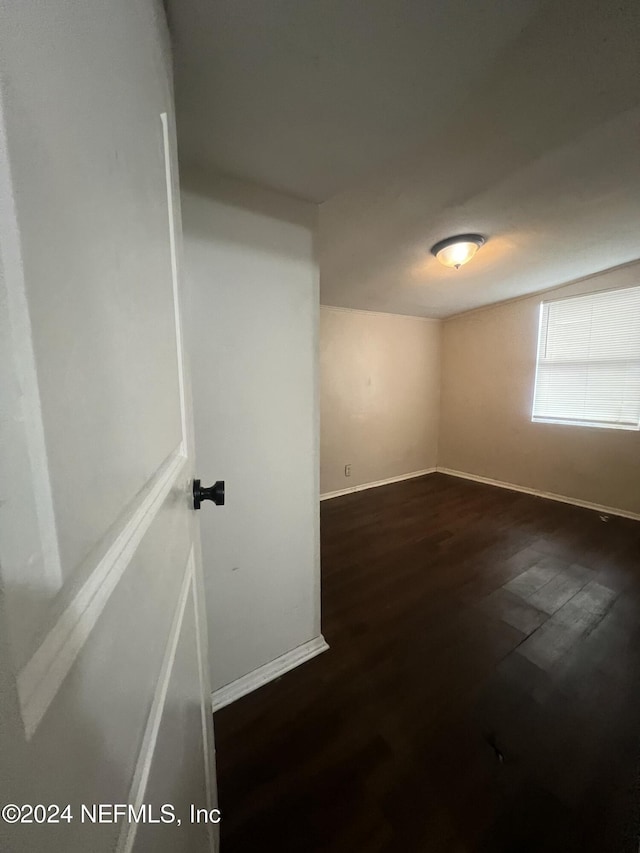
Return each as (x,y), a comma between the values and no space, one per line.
(440,372)
(316,419)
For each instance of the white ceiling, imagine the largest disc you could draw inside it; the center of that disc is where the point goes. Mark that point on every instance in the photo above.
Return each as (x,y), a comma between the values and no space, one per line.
(418,120)
(308,96)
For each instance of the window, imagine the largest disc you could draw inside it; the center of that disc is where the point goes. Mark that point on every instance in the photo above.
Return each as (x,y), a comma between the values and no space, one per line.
(588,368)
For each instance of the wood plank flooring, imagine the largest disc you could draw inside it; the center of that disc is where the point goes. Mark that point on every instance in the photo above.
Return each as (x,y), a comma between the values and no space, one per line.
(481,692)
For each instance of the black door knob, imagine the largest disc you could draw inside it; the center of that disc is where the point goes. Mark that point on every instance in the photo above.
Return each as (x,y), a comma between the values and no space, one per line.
(213,493)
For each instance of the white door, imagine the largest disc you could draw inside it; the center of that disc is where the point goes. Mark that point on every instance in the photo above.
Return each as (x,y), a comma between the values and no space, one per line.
(103,671)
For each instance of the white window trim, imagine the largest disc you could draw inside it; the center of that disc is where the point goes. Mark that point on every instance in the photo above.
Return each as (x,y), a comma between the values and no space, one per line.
(571,421)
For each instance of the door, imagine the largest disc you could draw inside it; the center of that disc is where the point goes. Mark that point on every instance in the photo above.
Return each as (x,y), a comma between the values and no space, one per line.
(106,739)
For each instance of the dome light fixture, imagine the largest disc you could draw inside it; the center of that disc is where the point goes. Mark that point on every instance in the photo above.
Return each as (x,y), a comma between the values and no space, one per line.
(456,251)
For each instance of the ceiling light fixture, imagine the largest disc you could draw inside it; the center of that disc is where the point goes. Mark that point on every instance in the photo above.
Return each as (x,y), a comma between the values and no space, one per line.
(456,251)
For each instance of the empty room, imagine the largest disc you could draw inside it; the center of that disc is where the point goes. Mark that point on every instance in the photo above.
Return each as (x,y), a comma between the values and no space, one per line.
(320,426)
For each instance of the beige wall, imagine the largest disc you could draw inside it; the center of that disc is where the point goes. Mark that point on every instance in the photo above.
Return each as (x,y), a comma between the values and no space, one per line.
(380,386)
(488,369)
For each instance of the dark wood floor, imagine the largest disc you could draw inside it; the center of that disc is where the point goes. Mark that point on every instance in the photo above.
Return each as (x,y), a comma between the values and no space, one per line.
(481,693)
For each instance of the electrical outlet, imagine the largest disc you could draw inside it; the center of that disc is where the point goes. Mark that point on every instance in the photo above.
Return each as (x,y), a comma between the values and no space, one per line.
(347,470)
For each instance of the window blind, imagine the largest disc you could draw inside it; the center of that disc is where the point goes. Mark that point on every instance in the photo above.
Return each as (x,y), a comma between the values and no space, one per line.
(588,366)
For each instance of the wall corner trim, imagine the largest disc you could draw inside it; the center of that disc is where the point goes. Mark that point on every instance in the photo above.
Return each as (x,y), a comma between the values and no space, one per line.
(266,673)
(327,495)
(605,510)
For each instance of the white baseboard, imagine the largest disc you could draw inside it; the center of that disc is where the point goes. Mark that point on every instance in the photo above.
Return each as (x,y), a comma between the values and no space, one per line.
(327,495)
(266,673)
(552,496)
(604,510)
